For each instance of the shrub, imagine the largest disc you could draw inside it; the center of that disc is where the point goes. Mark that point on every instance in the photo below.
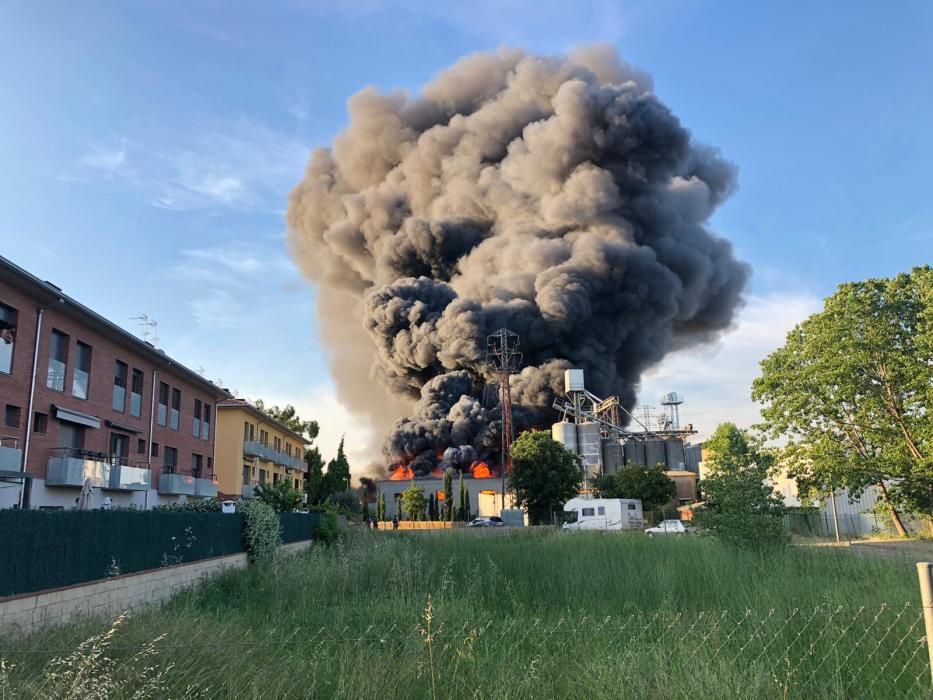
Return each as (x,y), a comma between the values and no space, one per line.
(327,531)
(206,505)
(261,530)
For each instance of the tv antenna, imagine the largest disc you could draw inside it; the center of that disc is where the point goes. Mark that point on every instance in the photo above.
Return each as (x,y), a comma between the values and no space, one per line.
(150,328)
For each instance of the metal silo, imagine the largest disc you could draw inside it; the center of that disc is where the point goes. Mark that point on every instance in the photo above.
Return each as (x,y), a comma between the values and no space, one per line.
(674,454)
(565,433)
(589,447)
(655,454)
(634,452)
(612,455)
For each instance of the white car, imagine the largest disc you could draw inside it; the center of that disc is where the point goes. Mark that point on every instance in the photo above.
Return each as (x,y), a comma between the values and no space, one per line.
(669,527)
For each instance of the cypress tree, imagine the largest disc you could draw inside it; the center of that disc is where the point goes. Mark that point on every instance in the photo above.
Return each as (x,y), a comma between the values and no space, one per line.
(448,495)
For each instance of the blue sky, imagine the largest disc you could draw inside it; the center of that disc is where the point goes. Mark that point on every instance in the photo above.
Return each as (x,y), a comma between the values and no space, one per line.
(148,149)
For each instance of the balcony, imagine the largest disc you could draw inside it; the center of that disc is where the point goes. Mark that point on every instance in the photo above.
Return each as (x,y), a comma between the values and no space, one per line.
(205,487)
(249,490)
(172,484)
(72,467)
(11,456)
(125,477)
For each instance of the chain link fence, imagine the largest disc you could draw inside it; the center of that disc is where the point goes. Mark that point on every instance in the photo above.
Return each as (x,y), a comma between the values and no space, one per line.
(825,652)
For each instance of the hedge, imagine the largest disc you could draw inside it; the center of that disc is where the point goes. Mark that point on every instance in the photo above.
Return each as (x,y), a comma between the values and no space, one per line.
(297,527)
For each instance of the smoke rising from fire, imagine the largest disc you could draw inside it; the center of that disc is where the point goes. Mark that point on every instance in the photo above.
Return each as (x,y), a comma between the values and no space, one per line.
(557,197)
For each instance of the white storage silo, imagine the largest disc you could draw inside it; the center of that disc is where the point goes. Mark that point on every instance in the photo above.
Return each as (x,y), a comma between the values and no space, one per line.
(565,433)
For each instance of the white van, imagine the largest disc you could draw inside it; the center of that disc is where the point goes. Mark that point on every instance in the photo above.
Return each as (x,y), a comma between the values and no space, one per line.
(603,514)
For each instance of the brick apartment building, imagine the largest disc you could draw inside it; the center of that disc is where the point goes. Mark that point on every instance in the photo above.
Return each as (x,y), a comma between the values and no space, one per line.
(82,399)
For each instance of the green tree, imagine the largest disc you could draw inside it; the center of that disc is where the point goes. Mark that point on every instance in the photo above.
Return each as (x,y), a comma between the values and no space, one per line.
(289,417)
(544,475)
(347,502)
(432,507)
(413,502)
(280,496)
(381,507)
(448,495)
(314,481)
(739,503)
(652,486)
(851,392)
(337,477)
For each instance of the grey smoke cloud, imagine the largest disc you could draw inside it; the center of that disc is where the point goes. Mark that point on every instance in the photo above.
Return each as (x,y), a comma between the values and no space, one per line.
(556,196)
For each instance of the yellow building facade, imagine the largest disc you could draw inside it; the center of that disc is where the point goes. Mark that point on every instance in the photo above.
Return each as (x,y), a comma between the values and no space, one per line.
(253,449)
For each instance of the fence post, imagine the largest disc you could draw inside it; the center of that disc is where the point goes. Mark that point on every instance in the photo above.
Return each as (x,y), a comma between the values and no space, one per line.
(925,573)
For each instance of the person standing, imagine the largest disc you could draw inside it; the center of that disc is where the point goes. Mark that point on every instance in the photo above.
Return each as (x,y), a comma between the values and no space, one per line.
(395,522)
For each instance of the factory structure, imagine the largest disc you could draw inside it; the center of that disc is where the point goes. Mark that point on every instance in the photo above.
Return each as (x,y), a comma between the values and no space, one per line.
(591,428)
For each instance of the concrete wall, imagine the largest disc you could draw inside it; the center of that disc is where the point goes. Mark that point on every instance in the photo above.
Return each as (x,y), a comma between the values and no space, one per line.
(110,597)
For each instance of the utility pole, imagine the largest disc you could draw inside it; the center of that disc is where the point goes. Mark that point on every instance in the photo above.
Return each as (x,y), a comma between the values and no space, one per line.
(503,358)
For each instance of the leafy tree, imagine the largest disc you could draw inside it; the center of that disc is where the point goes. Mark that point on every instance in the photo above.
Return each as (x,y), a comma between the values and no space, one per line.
(280,496)
(337,477)
(315,487)
(413,502)
(381,507)
(448,495)
(289,417)
(851,391)
(544,475)
(652,486)
(739,503)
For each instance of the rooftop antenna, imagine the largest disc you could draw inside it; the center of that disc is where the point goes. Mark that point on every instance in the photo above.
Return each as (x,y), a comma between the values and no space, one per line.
(504,359)
(149,327)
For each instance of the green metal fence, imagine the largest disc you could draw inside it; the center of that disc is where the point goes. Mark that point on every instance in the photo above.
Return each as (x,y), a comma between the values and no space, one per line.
(51,549)
(297,527)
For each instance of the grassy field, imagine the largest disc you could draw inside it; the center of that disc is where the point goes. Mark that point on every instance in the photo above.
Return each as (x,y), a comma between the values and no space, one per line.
(526,615)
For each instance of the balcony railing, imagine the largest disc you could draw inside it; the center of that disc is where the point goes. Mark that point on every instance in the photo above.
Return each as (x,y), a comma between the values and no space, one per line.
(256,448)
(173,484)
(70,466)
(10,455)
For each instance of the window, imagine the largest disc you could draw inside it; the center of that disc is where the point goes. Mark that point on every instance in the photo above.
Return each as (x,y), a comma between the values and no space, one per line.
(120,372)
(588,512)
(176,409)
(631,506)
(600,510)
(171,460)
(71,435)
(206,423)
(275,478)
(81,378)
(264,437)
(197,464)
(140,446)
(40,423)
(210,466)
(12,416)
(297,484)
(196,419)
(163,403)
(245,475)
(246,431)
(262,476)
(8,322)
(136,393)
(288,449)
(58,361)
(154,450)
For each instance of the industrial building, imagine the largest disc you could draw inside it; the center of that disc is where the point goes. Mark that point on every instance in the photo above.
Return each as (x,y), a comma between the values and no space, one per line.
(485,494)
(591,429)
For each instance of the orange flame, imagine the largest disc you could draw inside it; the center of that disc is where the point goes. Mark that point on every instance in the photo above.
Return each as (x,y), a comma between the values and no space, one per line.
(402,473)
(481,470)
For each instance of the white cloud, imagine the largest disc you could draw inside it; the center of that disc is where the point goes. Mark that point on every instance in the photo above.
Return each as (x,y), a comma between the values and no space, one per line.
(716,380)
(245,166)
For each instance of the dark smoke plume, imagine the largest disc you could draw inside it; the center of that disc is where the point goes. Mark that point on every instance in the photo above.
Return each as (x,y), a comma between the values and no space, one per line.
(555,196)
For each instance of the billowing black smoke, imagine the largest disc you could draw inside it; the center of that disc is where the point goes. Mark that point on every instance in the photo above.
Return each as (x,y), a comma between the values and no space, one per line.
(557,197)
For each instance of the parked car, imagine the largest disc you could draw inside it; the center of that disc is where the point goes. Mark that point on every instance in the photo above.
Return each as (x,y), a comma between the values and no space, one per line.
(487,521)
(670,527)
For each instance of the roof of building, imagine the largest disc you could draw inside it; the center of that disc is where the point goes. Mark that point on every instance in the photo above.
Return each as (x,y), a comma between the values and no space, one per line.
(262,415)
(54,296)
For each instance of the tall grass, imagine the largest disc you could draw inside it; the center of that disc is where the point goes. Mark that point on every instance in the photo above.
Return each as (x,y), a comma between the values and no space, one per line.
(554,615)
